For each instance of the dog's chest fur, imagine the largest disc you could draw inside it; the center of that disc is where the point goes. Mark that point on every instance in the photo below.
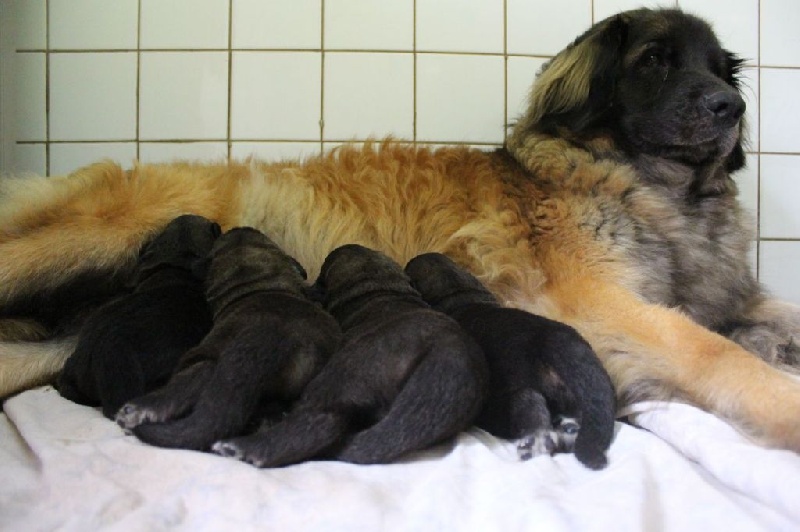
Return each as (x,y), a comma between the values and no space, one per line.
(673,237)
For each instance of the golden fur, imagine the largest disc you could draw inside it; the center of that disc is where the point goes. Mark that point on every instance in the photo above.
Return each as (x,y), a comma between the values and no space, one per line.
(550,228)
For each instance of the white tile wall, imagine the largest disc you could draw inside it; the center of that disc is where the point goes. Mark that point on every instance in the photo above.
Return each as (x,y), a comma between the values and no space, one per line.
(208,79)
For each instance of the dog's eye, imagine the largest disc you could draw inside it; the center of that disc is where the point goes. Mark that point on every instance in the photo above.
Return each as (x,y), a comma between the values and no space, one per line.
(652,58)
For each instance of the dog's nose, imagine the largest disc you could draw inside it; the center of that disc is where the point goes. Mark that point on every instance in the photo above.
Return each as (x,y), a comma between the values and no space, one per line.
(726,106)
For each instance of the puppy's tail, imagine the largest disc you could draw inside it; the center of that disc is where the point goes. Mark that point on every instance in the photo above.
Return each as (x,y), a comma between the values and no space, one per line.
(576,363)
(28,364)
(441,398)
(303,435)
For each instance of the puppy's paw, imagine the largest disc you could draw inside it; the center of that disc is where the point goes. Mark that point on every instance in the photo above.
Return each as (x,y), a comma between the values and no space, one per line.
(130,416)
(230,449)
(540,442)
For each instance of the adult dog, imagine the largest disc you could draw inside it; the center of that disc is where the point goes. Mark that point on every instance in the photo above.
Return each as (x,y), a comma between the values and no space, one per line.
(611,208)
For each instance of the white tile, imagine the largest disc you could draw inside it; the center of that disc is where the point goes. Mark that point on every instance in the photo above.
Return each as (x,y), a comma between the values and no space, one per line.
(276,95)
(460,98)
(460,25)
(734,22)
(28,159)
(93,96)
(183,95)
(93,24)
(605,8)
(369,25)
(66,158)
(522,71)
(30,24)
(29,97)
(749,86)
(780,113)
(368,95)
(294,24)
(779,262)
(780,190)
(164,152)
(544,27)
(274,151)
(184,24)
(780,38)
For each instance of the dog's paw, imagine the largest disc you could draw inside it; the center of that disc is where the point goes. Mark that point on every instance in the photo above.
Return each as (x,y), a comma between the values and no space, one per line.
(540,442)
(130,416)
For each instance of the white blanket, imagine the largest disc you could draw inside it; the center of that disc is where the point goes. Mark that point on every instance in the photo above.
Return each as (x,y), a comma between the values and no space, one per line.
(66,467)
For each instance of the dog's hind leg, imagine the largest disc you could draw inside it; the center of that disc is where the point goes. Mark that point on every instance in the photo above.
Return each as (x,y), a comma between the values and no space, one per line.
(28,364)
(439,399)
(66,240)
(302,435)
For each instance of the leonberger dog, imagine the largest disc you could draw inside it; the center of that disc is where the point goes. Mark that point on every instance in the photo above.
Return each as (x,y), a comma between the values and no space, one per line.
(611,208)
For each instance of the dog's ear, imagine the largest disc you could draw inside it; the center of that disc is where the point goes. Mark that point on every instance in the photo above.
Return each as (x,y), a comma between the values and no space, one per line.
(734,65)
(575,90)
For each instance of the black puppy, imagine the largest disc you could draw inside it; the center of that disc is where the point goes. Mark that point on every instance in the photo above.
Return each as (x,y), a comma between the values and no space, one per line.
(405,378)
(536,366)
(268,340)
(132,344)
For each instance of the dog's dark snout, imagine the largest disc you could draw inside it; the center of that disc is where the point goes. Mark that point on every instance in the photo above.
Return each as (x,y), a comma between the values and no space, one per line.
(726,106)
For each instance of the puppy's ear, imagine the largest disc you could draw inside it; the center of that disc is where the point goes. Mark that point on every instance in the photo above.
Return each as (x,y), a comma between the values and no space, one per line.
(734,65)
(575,90)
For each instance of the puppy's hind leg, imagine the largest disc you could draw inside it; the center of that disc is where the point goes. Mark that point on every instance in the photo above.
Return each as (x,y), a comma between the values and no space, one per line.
(174,399)
(441,398)
(301,436)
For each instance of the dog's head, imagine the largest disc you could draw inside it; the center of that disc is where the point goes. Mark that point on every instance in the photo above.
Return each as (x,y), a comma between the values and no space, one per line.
(657,81)
(245,259)
(352,271)
(444,284)
(184,243)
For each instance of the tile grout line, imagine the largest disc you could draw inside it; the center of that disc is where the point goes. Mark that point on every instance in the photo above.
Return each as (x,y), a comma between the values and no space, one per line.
(229,142)
(47,87)
(138,77)
(414,72)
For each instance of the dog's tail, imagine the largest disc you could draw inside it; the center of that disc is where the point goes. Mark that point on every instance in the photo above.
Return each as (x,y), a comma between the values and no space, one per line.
(302,435)
(442,397)
(574,360)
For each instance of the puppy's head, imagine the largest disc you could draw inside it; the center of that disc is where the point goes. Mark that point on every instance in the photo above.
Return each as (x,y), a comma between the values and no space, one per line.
(245,259)
(353,270)
(444,284)
(184,243)
(657,81)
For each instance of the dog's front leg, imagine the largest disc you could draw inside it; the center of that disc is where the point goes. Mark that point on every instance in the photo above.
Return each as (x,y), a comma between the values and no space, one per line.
(651,350)
(770,329)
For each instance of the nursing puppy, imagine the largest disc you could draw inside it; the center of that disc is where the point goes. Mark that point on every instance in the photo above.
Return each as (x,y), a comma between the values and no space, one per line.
(268,340)
(132,344)
(536,366)
(406,376)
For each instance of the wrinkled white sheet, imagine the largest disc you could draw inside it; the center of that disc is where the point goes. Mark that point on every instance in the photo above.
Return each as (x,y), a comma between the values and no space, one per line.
(66,467)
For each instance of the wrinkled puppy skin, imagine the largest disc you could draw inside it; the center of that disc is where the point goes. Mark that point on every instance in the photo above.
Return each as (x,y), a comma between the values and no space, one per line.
(131,345)
(406,376)
(544,377)
(268,340)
